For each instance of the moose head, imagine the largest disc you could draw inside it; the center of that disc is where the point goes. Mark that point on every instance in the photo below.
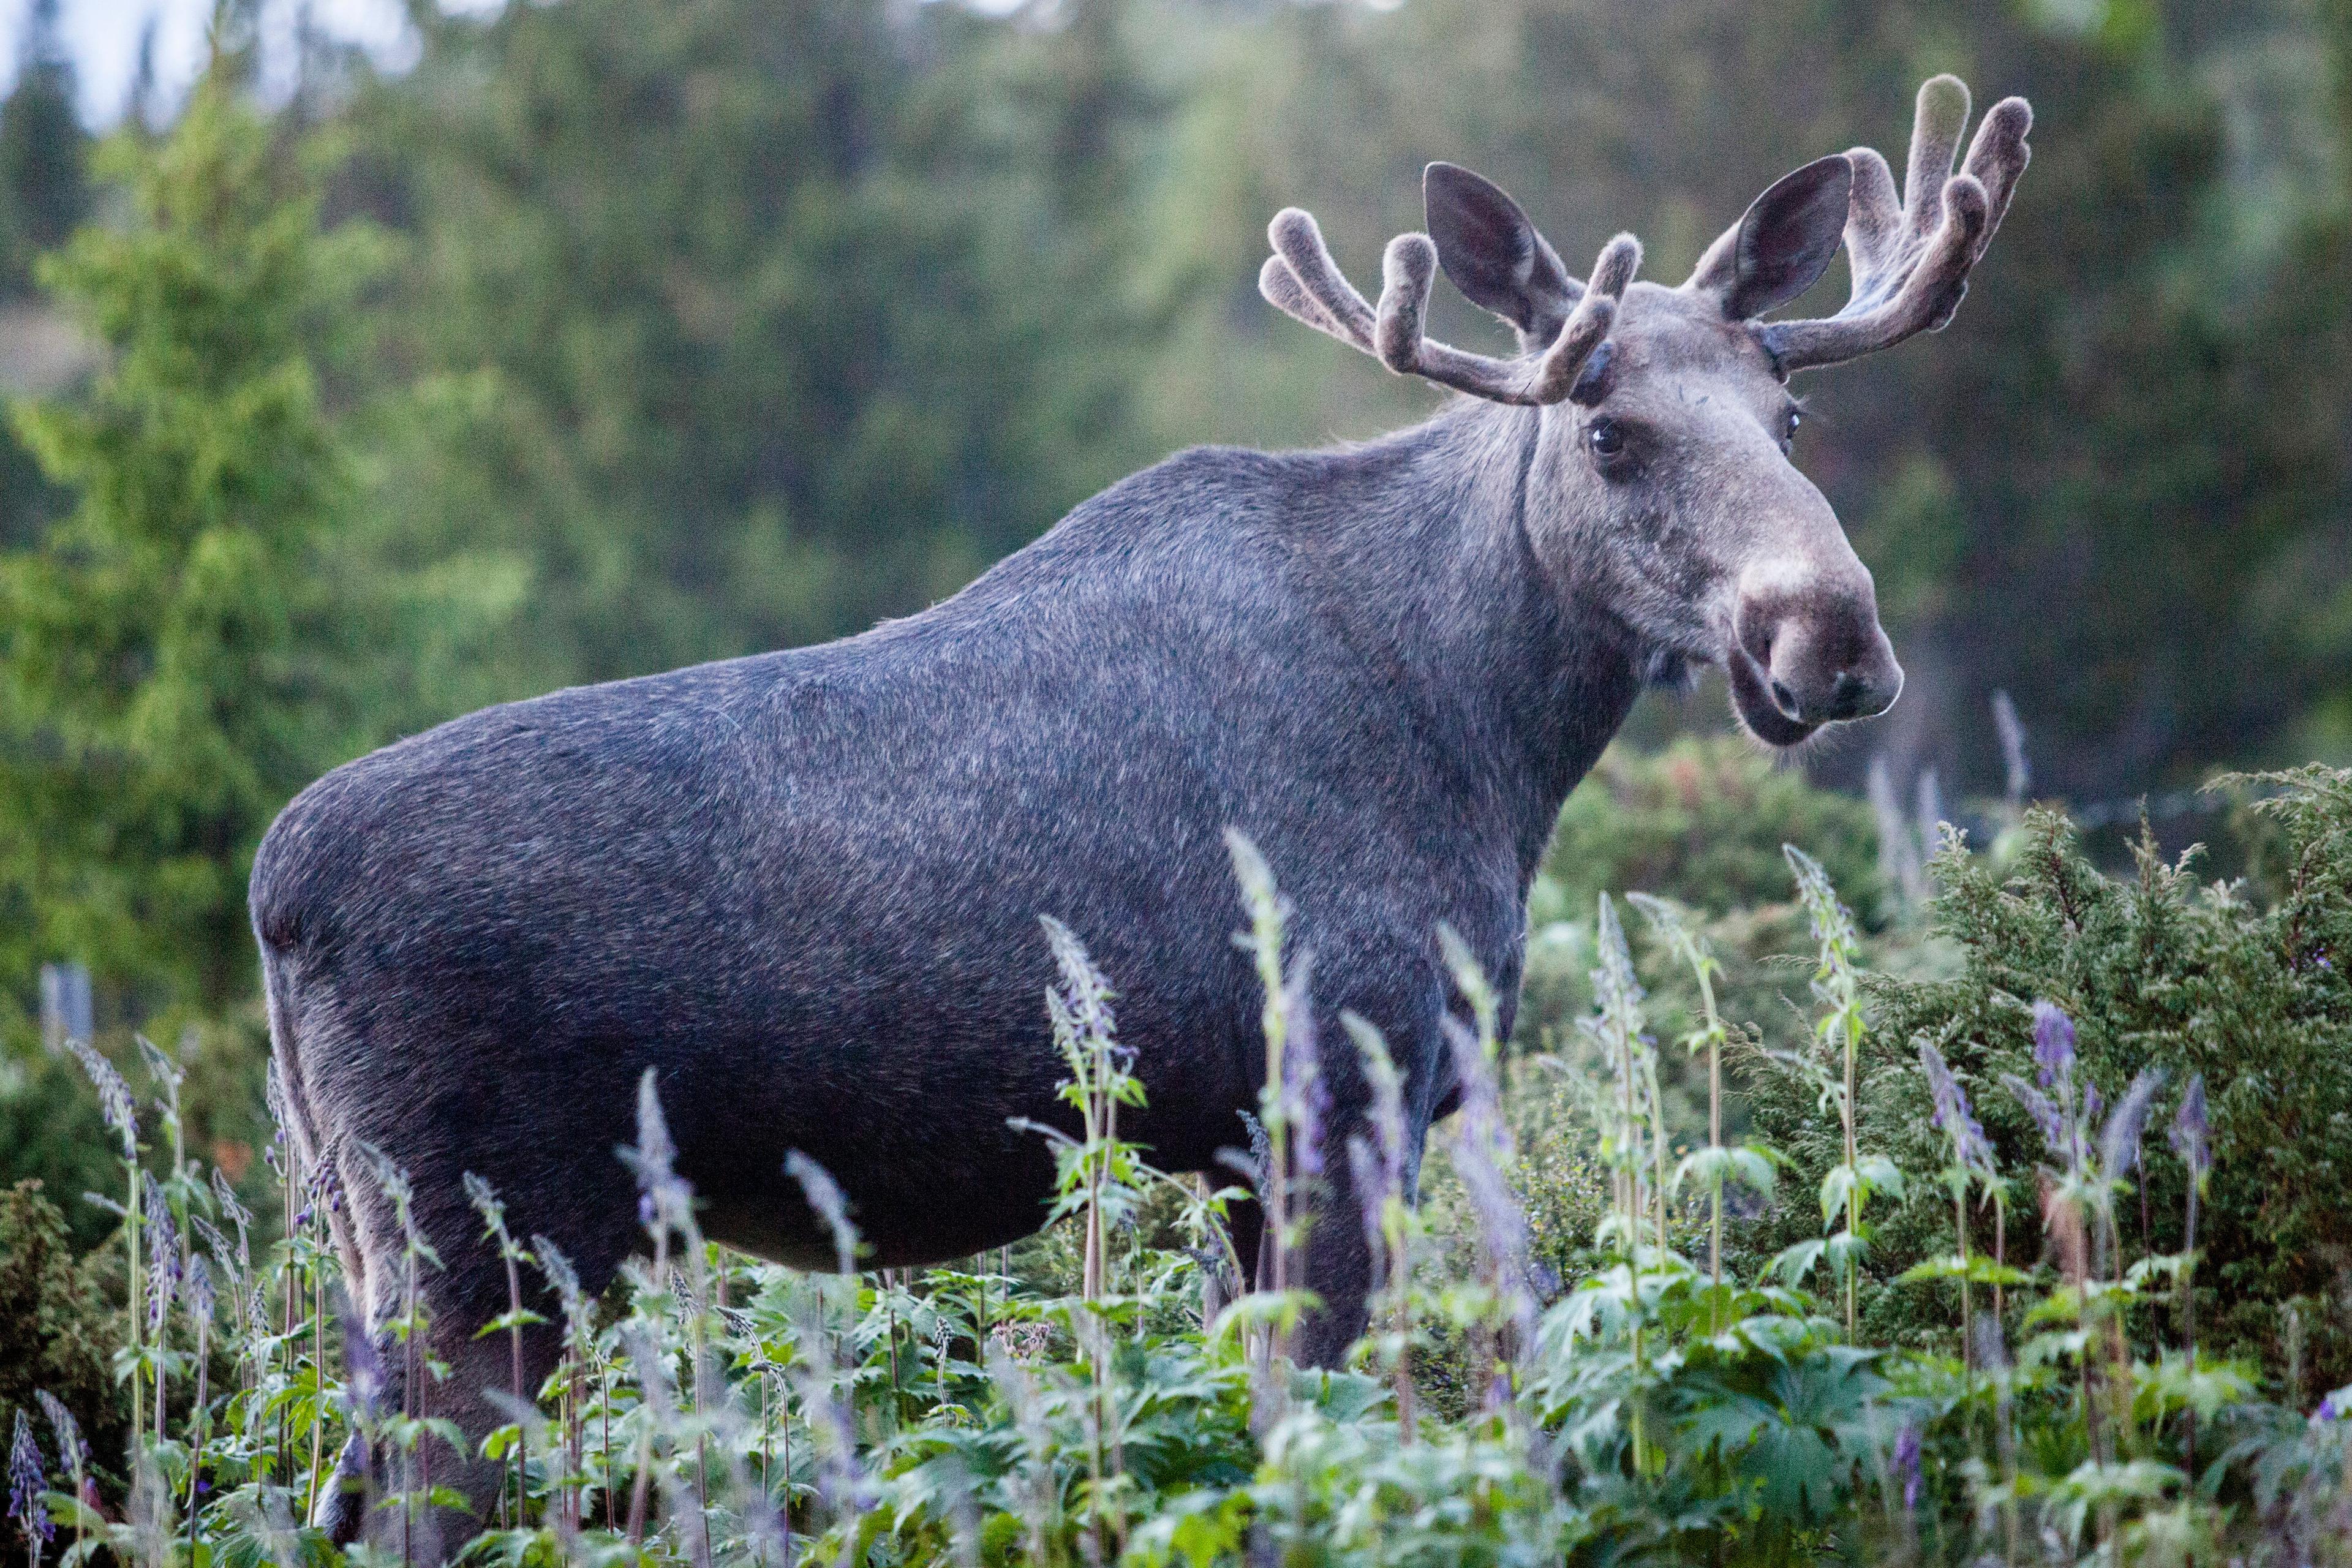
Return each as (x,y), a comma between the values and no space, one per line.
(1661,481)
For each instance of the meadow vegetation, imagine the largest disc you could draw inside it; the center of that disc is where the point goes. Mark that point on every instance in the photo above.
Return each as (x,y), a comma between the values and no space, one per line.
(2027,1253)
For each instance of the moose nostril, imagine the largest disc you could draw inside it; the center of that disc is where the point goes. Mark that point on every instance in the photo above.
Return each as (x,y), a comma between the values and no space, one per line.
(1846,700)
(1784,698)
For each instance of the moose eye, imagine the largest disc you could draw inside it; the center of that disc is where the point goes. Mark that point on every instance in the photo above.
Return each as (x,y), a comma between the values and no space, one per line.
(1606,438)
(1788,431)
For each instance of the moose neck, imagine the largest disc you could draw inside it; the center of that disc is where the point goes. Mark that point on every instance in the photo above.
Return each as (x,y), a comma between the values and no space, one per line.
(1514,676)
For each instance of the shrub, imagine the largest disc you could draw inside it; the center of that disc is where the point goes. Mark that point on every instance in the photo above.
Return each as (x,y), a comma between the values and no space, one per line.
(1702,823)
(50,1135)
(2157,970)
(57,1331)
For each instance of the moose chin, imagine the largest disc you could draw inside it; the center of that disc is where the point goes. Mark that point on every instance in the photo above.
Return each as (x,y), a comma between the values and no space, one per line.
(803,889)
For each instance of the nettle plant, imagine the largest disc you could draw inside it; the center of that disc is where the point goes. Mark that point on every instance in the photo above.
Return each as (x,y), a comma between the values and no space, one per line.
(1667,1407)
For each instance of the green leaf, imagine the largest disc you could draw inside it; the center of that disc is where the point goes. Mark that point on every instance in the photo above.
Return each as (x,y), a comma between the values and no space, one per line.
(1794,1263)
(1882,1174)
(1976,1269)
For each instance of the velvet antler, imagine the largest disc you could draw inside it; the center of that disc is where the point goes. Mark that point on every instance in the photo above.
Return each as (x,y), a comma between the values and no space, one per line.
(1302,280)
(1910,257)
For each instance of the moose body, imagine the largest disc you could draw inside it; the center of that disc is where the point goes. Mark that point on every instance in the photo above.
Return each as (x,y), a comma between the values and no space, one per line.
(803,889)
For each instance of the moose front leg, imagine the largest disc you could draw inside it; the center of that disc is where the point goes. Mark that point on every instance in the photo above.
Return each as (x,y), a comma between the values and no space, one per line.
(1380,1092)
(1338,1264)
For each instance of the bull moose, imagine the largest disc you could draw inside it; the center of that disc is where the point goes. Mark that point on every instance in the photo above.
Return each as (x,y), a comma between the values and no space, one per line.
(804,888)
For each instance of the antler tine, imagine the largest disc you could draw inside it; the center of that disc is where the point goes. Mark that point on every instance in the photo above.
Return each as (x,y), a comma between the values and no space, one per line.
(1999,155)
(1302,280)
(1588,325)
(1404,346)
(1406,270)
(1910,257)
(1938,119)
(1315,281)
(1281,289)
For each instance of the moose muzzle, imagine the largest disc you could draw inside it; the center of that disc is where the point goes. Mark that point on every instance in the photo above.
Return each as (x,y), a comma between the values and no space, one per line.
(1807,651)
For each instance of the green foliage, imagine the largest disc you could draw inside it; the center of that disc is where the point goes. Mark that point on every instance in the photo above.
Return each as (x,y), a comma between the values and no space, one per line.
(2158,970)
(44,192)
(194,640)
(159,696)
(44,184)
(745,324)
(1652,1410)
(50,1135)
(58,1333)
(1702,823)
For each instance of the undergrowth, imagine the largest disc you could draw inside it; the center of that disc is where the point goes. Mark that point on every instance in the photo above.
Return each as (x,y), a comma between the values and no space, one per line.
(2028,1255)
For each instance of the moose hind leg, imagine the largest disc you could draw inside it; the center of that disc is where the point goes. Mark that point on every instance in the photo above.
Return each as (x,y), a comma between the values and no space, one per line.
(432,1496)
(423,1496)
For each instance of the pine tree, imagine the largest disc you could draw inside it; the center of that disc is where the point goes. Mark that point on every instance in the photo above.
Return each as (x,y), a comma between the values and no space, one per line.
(751,322)
(44,152)
(44,192)
(178,653)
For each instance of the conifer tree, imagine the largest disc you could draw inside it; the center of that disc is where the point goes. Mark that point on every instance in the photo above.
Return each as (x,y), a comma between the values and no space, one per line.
(177,652)
(44,192)
(44,152)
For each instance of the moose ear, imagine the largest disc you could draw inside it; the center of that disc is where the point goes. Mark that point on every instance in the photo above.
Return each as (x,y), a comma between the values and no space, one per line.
(1494,255)
(1783,244)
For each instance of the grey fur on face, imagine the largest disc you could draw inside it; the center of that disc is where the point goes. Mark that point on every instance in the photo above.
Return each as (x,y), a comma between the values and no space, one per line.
(802,890)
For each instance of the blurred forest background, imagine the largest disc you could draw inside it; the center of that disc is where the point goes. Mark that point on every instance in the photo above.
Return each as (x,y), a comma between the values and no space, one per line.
(608,335)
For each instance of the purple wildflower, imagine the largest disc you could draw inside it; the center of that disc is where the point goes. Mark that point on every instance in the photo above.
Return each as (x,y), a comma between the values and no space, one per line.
(363,1363)
(224,1197)
(1992,1349)
(2120,1143)
(25,1485)
(1371,1195)
(72,1451)
(561,1275)
(114,1101)
(162,1258)
(1309,1099)
(2191,1137)
(2053,1043)
(1085,991)
(198,1290)
(1260,1158)
(1616,990)
(2045,1115)
(160,1068)
(1378,1168)
(213,1239)
(1906,1466)
(2092,1103)
(1971,1149)
(323,1189)
(824,1196)
(667,1201)
(1388,1098)
(1482,1151)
